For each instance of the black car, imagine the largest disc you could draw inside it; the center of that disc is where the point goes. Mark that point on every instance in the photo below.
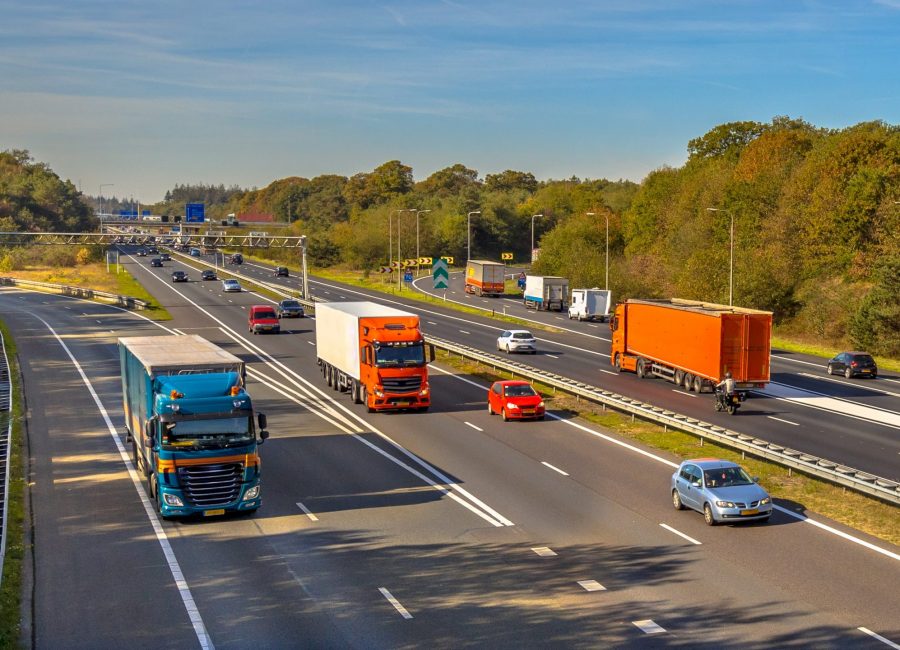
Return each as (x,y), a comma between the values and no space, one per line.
(156,262)
(209,274)
(289,309)
(853,364)
(179,276)
(141,252)
(165,257)
(282,272)
(153,250)
(237,258)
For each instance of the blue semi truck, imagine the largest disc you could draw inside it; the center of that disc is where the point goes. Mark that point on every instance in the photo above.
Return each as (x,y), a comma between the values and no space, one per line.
(191,425)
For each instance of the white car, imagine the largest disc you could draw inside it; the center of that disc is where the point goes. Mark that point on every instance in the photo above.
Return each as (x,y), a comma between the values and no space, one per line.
(231,285)
(517,341)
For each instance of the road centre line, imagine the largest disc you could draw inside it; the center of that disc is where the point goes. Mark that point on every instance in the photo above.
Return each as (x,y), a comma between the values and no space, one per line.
(772,417)
(332,406)
(591,585)
(552,356)
(184,590)
(681,392)
(597,434)
(555,469)
(309,514)
(608,372)
(648,627)
(396,603)
(872,634)
(680,534)
(473,426)
(464,332)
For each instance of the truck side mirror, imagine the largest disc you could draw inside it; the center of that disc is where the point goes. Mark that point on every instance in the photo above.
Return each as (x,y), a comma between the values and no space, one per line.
(263,436)
(430,352)
(261,421)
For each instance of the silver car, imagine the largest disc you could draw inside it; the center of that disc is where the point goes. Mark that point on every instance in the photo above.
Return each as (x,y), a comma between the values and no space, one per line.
(721,490)
(517,341)
(231,285)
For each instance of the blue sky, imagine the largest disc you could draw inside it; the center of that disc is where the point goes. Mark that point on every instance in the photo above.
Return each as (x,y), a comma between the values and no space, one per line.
(145,95)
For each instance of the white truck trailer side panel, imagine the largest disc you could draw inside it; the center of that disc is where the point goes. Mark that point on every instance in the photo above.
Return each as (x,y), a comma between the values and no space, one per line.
(172,355)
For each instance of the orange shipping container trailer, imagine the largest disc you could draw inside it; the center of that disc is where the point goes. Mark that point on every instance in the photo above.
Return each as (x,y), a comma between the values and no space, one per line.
(692,344)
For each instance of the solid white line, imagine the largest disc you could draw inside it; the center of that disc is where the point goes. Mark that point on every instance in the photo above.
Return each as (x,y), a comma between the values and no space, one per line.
(681,392)
(772,417)
(311,342)
(544,551)
(594,326)
(396,603)
(177,331)
(839,533)
(555,469)
(872,634)
(854,384)
(174,568)
(552,356)
(591,585)
(608,372)
(648,627)
(308,513)
(680,534)
(473,426)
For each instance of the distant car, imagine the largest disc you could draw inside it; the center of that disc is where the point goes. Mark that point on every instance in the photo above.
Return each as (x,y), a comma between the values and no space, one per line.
(237,258)
(195,252)
(289,309)
(262,318)
(721,490)
(231,285)
(515,400)
(179,276)
(282,272)
(156,262)
(165,257)
(153,250)
(853,364)
(208,274)
(142,252)
(517,341)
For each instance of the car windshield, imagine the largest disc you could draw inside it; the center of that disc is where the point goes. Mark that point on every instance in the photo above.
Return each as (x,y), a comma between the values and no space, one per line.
(522,335)
(265,313)
(231,283)
(400,355)
(207,434)
(524,390)
(726,477)
(290,304)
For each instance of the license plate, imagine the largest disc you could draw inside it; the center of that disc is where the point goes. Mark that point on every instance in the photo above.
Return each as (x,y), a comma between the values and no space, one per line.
(213,513)
(747,513)
(527,411)
(402,403)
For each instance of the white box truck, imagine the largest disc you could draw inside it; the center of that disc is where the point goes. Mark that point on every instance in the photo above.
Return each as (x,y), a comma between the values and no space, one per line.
(546,292)
(590,304)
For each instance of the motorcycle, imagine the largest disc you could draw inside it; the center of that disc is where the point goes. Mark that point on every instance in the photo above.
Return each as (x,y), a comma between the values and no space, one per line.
(728,402)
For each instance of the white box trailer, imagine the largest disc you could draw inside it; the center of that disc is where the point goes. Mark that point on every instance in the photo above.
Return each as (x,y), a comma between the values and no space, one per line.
(590,304)
(546,292)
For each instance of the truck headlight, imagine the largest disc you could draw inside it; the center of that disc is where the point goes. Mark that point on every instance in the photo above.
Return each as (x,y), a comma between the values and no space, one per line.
(541,405)
(379,391)
(173,500)
(423,392)
(252,493)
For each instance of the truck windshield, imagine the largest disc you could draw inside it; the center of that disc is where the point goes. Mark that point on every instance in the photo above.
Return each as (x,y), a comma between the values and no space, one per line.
(216,433)
(406,355)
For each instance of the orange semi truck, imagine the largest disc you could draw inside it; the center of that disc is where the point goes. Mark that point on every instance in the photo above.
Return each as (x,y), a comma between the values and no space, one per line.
(692,344)
(376,353)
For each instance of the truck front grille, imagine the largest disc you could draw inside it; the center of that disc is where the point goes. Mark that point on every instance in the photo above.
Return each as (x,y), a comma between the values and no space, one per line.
(211,485)
(401,384)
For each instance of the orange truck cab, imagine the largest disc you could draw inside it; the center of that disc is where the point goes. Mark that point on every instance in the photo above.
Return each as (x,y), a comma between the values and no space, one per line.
(375,353)
(692,344)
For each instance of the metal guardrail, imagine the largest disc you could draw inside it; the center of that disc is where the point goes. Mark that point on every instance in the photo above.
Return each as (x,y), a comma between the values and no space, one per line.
(822,468)
(5,447)
(78,292)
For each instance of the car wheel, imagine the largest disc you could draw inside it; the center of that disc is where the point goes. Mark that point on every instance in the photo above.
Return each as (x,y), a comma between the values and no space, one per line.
(504,415)
(490,410)
(507,348)
(708,515)
(848,373)
(676,500)
(830,369)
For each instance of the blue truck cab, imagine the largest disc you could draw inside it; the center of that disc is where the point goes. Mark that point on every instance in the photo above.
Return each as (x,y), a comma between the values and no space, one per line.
(191,425)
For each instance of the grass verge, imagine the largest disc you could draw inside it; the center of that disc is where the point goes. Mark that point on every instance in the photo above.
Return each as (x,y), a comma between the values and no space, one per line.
(794,490)
(11,588)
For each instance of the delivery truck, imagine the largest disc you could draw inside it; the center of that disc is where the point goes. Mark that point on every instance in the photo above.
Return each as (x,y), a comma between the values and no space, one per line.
(375,353)
(692,344)
(485,278)
(590,304)
(191,425)
(546,293)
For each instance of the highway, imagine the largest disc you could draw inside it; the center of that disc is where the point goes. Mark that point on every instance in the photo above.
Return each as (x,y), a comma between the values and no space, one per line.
(855,422)
(448,528)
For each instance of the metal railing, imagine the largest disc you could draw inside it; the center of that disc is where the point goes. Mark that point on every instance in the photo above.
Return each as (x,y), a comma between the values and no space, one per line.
(77,292)
(822,468)
(5,447)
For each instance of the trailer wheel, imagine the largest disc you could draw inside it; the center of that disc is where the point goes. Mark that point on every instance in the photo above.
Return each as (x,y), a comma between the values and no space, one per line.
(679,377)
(640,369)
(336,379)
(328,376)
(698,384)
(688,381)
(617,362)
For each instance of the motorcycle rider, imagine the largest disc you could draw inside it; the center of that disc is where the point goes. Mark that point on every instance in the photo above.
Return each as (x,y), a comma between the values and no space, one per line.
(725,388)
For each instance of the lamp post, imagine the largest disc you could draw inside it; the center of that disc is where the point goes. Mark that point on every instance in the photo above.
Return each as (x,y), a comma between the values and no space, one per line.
(469,234)
(102,185)
(418,212)
(593,214)
(533,217)
(391,235)
(731,255)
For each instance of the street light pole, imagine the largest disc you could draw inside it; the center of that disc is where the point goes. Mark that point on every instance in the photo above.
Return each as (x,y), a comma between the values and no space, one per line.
(102,185)
(533,217)
(731,256)
(469,234)
(418,212)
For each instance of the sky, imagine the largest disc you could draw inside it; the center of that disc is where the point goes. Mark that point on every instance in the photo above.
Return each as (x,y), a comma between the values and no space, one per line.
(141,96)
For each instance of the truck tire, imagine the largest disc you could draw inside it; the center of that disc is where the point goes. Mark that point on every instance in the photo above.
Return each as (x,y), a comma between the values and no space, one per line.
(354,391)
(328,376)
(617,362)
(336,379)
(688,382)
(679,377)
(641,369)
(698,384)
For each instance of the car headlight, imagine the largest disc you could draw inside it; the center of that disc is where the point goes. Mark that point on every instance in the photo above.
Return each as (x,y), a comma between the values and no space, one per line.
(725,504)
(252,493)
(765,501)
(541,405)
(512,406)
(173,500)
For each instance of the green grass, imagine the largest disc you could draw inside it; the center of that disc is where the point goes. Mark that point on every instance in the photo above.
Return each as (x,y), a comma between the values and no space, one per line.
(16,547)
(795,490)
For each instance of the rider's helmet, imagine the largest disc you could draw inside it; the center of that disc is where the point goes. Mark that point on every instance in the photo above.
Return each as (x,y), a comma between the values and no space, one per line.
(727,375)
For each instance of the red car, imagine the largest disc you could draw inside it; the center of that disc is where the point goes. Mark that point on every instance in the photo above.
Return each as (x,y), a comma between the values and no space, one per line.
(515,400)
(262,318)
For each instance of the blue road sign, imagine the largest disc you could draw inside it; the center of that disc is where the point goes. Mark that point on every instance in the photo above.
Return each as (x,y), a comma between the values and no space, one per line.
(193,213)
(407,277)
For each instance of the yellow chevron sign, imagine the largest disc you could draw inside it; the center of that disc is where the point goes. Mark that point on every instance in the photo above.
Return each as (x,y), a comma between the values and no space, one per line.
(506,256)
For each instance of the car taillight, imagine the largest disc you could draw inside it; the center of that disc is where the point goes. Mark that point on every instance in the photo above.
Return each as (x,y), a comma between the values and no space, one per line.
(853,364)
